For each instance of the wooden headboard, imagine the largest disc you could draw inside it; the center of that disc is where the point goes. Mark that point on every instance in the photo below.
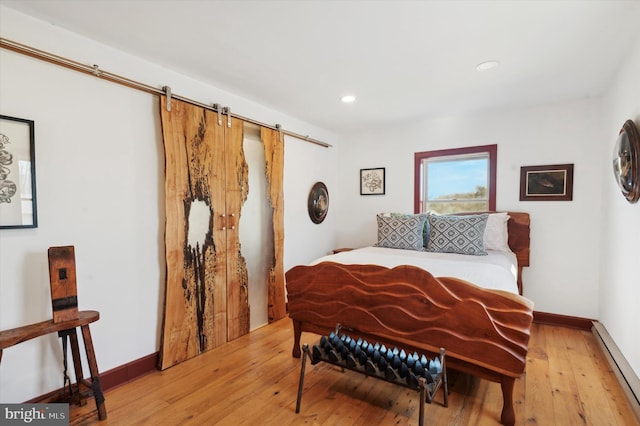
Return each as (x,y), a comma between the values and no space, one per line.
(519,240)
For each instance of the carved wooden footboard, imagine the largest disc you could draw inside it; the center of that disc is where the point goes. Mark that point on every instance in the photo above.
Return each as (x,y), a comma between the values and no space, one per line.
(485,332)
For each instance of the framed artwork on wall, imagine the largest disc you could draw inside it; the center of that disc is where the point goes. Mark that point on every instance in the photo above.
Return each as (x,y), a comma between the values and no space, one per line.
(546,183)
(17,173)
(372,181)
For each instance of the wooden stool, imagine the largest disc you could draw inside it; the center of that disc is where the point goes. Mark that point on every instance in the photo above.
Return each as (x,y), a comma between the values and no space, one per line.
(66,319)
(17,335)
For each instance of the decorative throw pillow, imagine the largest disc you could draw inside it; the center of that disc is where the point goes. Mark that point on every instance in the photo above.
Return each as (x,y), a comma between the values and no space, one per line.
(400,232)
(425,230)
(457,234)
(496,234)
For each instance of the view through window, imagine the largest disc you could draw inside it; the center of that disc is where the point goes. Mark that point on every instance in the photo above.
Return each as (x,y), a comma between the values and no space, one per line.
(455,180)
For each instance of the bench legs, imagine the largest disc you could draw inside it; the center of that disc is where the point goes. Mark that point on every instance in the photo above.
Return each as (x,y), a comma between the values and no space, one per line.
(93,370)
(364,359)
(297,333)
(75,353)
(508,417)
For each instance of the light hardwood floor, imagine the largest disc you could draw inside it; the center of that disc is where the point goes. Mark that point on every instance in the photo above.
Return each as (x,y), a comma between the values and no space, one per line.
(254,381)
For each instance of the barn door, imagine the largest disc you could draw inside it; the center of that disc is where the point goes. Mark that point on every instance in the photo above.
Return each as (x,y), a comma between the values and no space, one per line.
(208,284)
(237,188)
(203,298)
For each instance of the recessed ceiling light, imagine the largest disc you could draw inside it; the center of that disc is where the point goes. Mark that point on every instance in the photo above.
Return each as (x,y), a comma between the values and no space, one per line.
(348,99)
(487,65)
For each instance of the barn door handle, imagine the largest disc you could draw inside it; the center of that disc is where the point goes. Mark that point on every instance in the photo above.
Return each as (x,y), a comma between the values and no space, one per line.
(223,219)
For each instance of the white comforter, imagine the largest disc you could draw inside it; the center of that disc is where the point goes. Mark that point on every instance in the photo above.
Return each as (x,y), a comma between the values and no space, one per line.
(498,270)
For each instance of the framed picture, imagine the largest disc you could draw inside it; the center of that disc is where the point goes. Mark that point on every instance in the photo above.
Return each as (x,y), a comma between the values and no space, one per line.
(17,173)
(546,183)
(372,181)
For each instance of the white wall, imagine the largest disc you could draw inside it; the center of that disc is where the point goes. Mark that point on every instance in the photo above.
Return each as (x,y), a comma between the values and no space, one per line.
(100,180)
(620,249)
(563,277)
(305,165)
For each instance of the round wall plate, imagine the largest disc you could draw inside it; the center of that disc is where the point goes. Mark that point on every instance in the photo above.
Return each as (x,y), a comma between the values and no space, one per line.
(626,162)
(318,203)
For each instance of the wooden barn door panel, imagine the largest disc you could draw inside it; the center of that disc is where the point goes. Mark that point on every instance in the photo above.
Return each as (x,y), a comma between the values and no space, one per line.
(236,194)
(206,186)
(274,156)
(195,295)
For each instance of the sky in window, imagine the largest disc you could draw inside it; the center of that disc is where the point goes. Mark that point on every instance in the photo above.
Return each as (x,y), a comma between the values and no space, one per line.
(454,177)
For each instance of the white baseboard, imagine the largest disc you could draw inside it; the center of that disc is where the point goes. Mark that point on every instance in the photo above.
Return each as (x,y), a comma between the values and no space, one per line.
(621,368)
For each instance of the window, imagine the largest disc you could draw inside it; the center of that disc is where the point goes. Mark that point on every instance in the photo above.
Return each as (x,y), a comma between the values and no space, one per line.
(456,180)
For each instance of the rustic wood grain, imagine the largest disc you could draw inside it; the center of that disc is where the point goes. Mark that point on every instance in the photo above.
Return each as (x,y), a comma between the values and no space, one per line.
(274,155)
(63,288)
(195,295)
(236,191)
(207,291)
(519,241)
(17,335)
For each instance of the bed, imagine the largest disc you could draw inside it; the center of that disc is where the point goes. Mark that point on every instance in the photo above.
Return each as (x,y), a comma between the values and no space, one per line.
(393,298)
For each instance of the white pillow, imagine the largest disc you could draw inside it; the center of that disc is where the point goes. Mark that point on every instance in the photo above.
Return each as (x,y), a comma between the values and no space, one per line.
(496,234)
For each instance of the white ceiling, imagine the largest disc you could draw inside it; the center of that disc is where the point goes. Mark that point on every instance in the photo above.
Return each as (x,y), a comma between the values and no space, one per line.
(402,59)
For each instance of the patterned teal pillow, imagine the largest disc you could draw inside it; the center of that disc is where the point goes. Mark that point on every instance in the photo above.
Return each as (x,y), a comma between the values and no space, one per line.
(401,232)
(425,230)
(457,234)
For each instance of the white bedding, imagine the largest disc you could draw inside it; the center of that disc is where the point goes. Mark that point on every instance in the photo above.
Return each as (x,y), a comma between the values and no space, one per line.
(497,270)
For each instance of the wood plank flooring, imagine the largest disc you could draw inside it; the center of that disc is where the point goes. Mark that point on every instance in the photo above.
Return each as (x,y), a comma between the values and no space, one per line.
(254,381)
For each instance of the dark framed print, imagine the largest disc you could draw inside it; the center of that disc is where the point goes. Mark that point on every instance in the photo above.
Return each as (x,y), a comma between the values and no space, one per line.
(546,183)
(372,181)
(17,173)
(626,162)
(318,202)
